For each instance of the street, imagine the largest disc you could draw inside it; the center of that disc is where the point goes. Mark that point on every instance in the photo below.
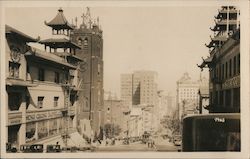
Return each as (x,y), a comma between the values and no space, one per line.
(162,145)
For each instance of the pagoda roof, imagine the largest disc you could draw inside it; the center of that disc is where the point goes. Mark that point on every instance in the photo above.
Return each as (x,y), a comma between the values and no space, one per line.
(207,61)
(24,37)
(224,22)
(219,38)
(231,11)
(59,22)
(59,43)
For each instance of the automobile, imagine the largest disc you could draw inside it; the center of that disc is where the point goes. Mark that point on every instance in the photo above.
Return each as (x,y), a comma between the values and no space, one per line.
(70,148)
(10,148)
(177,140)
(35,148)
(54,148)
(87,148)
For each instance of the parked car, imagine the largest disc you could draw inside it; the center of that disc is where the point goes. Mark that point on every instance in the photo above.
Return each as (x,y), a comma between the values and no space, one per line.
(36,148)
(53,148)
(177,140)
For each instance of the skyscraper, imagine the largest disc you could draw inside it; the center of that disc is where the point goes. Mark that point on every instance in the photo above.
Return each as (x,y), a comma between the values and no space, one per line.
(139,88)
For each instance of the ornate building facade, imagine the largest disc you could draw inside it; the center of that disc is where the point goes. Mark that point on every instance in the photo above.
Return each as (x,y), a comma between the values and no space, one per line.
(224,62)
(42,88)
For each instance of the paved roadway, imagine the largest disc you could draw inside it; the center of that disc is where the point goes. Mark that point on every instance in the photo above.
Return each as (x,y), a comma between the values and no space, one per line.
(137,146)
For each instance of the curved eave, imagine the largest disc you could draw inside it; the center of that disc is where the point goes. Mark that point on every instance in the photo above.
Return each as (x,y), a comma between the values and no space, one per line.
(224,22)
(59,43)
(12,31)
(65,26)
(74,57)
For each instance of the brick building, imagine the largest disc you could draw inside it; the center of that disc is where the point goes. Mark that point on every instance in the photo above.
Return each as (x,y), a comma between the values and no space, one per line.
(89,37)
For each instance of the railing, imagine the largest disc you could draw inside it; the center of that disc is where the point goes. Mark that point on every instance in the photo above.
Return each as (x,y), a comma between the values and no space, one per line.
(14,117)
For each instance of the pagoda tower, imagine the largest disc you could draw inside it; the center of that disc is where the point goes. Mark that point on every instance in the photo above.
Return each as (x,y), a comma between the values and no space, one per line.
(62,46)
(226,23)
(224,62)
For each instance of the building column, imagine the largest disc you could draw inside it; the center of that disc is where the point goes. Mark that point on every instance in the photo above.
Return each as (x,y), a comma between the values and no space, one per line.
(36,132)
(48,126)
(21,136)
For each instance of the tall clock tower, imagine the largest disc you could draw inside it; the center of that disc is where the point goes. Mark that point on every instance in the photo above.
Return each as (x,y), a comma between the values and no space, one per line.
(89,37)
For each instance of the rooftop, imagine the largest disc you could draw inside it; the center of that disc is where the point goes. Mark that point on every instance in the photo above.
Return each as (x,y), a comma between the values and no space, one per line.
(59,22)
(24,37)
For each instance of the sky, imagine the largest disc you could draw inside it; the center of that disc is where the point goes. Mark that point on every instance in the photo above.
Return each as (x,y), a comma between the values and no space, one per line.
(169,40)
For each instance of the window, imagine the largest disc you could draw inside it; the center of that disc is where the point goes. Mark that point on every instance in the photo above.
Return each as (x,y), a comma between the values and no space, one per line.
(14,70)
(239,63)
(236,99)
(230,67)
(234,66)
(221,98)
(222,71)
(40,101)
(228,98)
(79,41)
(41,74)
(99,69)
(56,101)
(57,77)
(85,43)
(14,100)
(226,71)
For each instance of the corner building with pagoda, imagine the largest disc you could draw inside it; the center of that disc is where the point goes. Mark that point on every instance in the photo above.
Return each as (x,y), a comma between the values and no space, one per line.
(45,89)
(224,62)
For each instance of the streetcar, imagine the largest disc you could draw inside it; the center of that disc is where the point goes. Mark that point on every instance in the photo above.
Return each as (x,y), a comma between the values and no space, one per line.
(211,132)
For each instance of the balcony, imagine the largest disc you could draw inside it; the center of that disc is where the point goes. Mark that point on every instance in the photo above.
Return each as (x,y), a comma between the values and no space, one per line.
(14,118)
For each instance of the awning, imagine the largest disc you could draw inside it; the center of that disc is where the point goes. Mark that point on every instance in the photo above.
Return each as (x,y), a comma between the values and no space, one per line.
(19,82)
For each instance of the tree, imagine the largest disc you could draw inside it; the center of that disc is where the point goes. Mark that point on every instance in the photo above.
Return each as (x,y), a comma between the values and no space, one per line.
(172,123)
(112,130)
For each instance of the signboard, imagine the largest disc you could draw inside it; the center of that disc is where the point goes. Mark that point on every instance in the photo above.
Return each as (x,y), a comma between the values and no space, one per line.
(34,116)
(15,118)
(231,83)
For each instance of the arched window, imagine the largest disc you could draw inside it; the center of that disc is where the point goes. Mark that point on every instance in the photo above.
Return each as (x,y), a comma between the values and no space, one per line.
(85,42)
(79,41)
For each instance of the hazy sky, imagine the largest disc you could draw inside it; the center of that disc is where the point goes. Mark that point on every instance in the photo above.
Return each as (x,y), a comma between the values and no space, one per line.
(168,40)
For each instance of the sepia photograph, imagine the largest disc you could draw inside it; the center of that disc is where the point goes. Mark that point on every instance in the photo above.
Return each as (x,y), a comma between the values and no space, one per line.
(80,79)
